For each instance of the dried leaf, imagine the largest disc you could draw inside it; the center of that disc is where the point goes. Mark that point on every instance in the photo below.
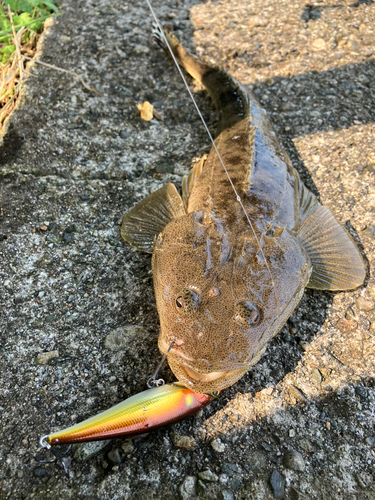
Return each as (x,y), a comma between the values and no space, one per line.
(147,111)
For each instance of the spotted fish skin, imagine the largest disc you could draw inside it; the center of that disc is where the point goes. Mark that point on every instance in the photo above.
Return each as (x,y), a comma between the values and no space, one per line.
(226,280)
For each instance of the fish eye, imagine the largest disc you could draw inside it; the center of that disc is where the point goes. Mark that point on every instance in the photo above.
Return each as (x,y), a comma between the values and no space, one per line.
(180,302)
(247,312)
(188,300)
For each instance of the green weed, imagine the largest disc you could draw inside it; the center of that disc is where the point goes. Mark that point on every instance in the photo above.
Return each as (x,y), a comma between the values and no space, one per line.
(27,14)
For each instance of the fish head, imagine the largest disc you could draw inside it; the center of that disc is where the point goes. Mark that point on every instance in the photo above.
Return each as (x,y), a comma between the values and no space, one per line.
(221,297)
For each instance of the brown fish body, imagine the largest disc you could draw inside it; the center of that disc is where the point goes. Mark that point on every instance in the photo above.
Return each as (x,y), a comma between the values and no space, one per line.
(225,280)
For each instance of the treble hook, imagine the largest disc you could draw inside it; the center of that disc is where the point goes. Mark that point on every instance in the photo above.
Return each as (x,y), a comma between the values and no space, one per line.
(152,382)
(58,456)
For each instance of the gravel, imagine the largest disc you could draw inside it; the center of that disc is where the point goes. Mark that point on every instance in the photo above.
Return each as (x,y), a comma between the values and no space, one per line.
(277,482)
(294,460)
(73,162)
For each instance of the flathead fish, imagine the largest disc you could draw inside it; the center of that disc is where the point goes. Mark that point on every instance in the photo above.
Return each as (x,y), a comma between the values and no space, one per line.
(226,281)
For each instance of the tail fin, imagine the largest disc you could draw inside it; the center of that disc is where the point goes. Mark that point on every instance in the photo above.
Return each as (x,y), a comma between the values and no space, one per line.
(190,63)
(230,99)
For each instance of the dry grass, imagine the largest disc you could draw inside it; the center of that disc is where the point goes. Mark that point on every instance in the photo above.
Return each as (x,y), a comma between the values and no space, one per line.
(13,72)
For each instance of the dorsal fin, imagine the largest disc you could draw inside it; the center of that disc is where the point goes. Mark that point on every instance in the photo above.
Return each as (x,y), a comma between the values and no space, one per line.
(188,181)
(252,131)
(146,220)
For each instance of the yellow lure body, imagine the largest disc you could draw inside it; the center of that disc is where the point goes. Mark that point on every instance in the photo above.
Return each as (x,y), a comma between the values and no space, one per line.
(138,414)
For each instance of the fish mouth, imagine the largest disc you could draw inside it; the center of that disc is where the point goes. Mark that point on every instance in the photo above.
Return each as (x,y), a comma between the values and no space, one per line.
(203,377)
(204,383)
(199,381)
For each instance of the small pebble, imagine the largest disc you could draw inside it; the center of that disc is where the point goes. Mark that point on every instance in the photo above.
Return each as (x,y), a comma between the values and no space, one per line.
(223,478)
(254,21)
(306,445)
(188,488)
(353,45)
(319,44)
(218,445)
(235,484)
(140,49)
(88,450)
(208,475)
(201,485)
(371,291)
(227,495)
(277,482)
(346,326)
(230,469)
(115,456)
(187,442)
(294,460)
(367,51)
(128,447)
(361,391)
(350,315)
(296,393)
(44,357)
(364,304)
(370,441)
(258,460)
(40,472)
(303,345)
(316,375)
(363,479)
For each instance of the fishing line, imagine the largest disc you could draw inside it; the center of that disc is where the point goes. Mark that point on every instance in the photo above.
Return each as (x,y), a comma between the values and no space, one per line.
(152,381)
(161,30)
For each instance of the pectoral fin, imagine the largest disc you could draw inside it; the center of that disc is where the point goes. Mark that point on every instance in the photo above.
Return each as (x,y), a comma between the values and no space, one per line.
(146,220)
(308,202)
(337,263)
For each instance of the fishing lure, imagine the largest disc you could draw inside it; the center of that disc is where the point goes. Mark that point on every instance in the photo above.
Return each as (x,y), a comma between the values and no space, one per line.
(138,414)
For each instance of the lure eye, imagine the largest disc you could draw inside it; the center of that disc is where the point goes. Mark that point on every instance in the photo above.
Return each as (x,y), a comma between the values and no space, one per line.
(248,313)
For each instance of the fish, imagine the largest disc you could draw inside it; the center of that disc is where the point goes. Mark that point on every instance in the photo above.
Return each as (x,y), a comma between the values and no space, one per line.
(137,415)
(229,269)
